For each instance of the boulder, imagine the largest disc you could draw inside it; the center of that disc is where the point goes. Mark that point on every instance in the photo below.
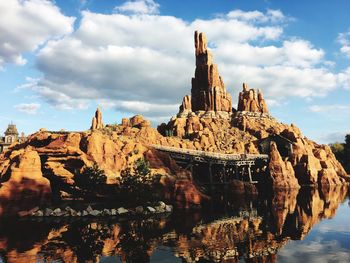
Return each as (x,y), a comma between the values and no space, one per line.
(122,211)
(136,120)
(151,209)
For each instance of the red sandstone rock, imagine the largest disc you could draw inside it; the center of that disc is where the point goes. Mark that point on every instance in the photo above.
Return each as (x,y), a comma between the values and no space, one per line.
(136,120)
(186,104)
(97,120)
(24,186)
(208,90)
(187,195)
(125,122)
(281,172)
(251,100)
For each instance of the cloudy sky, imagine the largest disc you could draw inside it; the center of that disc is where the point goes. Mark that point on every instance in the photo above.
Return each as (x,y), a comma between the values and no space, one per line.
(60,59)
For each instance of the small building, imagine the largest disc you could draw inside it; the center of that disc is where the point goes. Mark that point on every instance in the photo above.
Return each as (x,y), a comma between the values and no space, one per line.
(11,136)
(284,145)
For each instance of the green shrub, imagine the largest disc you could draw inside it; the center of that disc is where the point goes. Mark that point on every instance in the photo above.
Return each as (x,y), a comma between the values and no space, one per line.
(342,152)
(90,178)
(138,185)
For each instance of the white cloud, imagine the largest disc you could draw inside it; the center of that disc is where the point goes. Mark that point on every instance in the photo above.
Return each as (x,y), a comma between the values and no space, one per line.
(333,108)
(344,78)
(26,24)
(115,59)
(139,7)
(344,40)
(296,53)
(139,107)
(28,108)
(257,16)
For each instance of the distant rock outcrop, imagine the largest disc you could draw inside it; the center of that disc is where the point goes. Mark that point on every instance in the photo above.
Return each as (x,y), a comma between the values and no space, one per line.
(97,120)
(251,100)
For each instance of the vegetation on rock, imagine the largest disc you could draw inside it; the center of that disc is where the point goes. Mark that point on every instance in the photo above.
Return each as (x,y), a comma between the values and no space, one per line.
(342,152)
(90,178)
(137,185)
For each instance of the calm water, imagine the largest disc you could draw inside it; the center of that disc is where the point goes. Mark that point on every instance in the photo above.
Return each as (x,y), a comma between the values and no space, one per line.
(304,226)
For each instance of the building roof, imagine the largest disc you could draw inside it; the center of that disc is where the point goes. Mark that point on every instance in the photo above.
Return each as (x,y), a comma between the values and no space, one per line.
(11,130)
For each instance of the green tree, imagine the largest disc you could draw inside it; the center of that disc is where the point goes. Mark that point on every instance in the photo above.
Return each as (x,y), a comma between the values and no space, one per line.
(338,150)
(137,185)
(90,177)
(342,152)
(347,141)
(346,156)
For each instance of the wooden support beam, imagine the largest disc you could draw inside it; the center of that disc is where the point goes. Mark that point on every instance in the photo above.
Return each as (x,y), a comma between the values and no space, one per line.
(210,173)
(225,179)
(191,167)
(250,175)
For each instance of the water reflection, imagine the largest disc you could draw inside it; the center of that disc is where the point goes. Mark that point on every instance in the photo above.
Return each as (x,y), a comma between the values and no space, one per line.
(249,229)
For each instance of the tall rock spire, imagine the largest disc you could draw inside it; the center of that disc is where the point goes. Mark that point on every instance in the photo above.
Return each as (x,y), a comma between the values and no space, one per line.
(97,120)
(208,91)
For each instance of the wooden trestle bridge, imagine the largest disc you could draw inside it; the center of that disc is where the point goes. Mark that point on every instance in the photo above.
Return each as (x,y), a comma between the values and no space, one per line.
(220,168)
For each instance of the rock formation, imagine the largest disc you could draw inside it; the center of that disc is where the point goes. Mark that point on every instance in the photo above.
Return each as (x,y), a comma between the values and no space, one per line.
(251,100)
(97,120)
(186,105)
(22,183)
(206,123)
(208,91)
(281,172)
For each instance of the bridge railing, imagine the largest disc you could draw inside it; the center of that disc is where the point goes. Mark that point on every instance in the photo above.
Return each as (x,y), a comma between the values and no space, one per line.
(221,156)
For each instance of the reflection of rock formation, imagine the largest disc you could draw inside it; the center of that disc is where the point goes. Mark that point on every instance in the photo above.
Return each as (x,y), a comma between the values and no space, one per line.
(315,205)
(254,234)
(283,204)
